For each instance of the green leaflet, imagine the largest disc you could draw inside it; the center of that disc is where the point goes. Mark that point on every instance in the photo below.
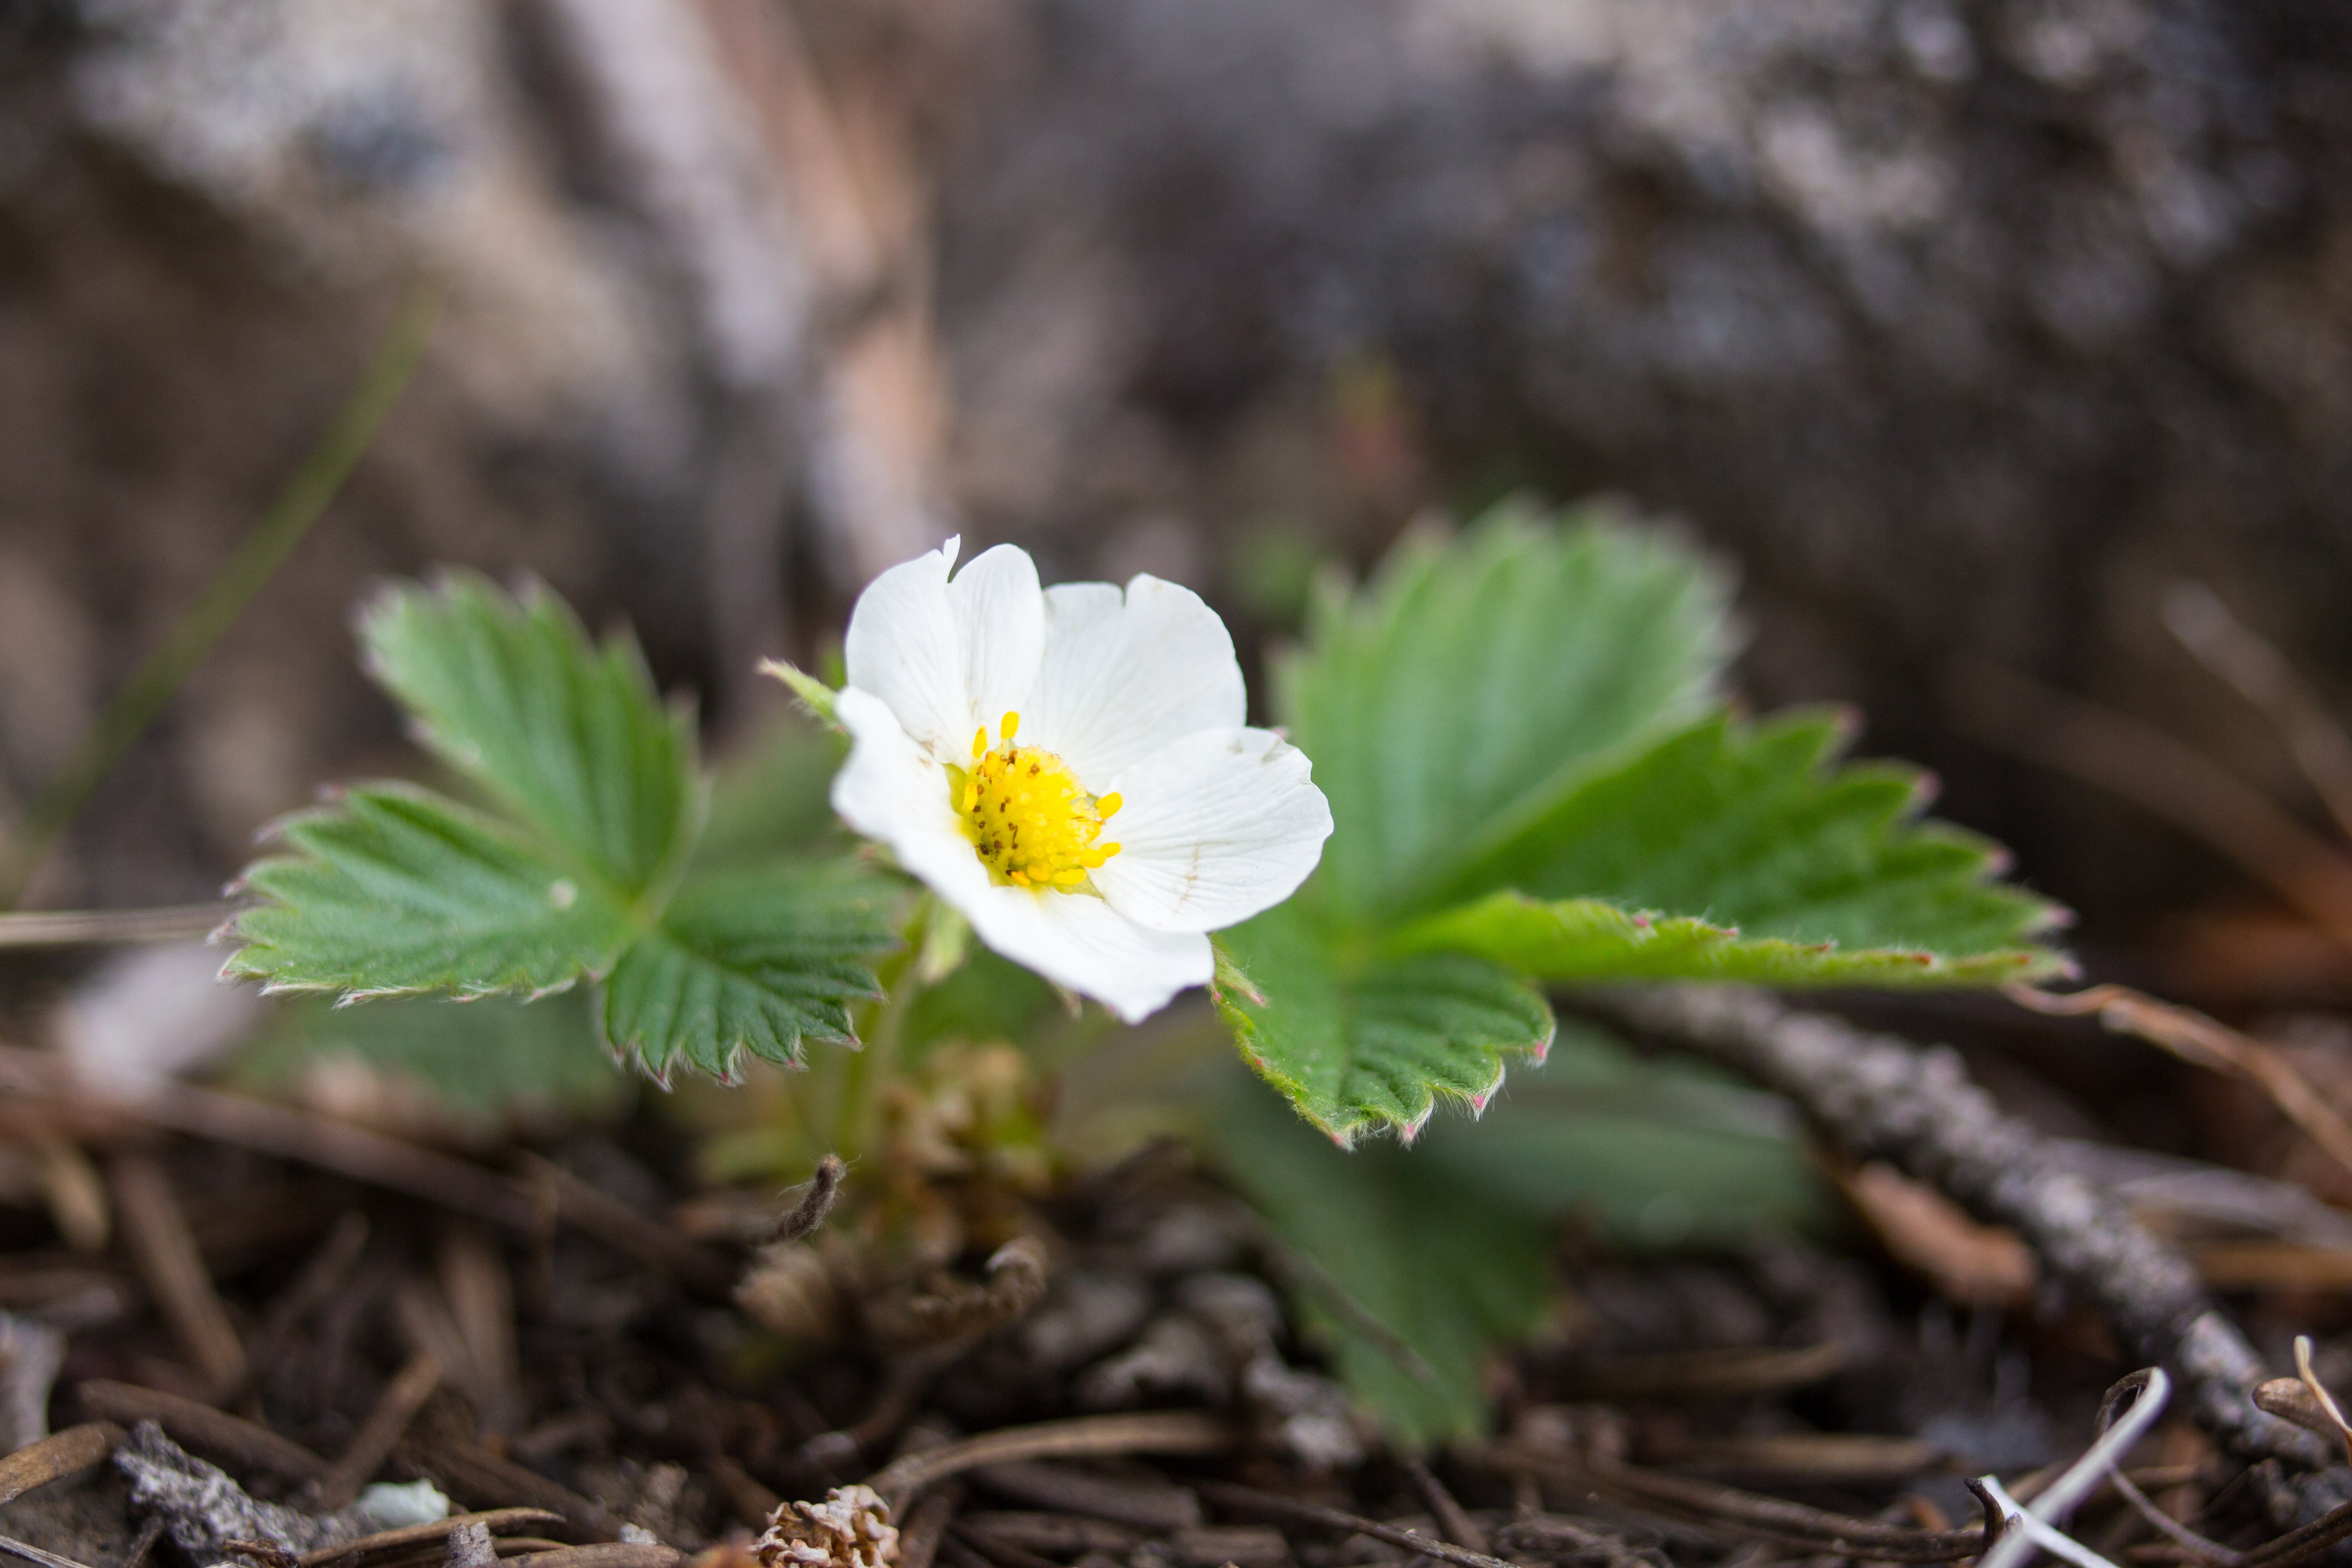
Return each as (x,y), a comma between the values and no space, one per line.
(1357,1046)
(571,737)
(1531,777)
(748,961)
(1758,827)
(1587,940)
(1468,678)
(396,890)
(1792,871)
(1446,1274)
(1446,1248)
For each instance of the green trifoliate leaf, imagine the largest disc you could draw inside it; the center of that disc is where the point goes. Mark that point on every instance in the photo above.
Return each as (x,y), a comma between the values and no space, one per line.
(750,961)
(1469,679)
(1361,1041)
(1523,743)
(1410,1282)
(1742,853)
(569,736)
(395,891)
(1416,1266)
(1574,940)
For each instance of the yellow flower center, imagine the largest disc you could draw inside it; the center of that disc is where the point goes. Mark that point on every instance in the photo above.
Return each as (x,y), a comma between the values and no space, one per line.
(1025,815)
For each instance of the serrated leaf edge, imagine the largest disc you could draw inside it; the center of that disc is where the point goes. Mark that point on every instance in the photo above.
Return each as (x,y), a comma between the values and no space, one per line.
(1244,1030)
(332,801)
(1439,933)
(530,597)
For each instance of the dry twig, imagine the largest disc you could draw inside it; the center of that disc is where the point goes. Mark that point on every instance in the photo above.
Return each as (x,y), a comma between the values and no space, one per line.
(1882,1097)
(1776,1518)
(627,1232)
(280,1130)
(373,1444)
(2199,1040)
(2156,773)
(607,1554)
(1455,1524)
(918,1543)
(1152,1505)
(56,1457)
(1148,1432)
(496,1521)
(200,1426)
(14,1548)
(1249,1500)
(2195,615)
(2319,1394)
(174,1270)
(321,1278)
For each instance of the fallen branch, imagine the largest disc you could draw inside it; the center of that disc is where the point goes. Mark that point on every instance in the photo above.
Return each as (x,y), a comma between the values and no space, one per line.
(1878,1096)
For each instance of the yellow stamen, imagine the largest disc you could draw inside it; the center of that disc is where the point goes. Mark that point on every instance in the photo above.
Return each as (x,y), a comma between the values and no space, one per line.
(980,743)
(1108,807)
(1027,816)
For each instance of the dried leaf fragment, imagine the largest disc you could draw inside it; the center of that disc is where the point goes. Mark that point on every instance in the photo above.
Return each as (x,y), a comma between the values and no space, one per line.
(1978,1264)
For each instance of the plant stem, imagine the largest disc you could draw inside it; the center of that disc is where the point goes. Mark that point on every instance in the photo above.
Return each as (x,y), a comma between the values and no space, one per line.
(257,558)
(844,1087)
(883,1026)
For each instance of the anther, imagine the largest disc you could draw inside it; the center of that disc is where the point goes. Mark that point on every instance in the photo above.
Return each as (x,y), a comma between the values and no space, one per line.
(980,743)
(1009,727)
(1108,807)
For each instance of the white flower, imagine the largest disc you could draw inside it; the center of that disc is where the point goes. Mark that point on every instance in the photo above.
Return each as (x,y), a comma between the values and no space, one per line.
(1068,767)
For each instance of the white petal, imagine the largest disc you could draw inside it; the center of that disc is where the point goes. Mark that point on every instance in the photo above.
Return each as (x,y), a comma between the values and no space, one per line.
(1122,677)
(1212,829)
(1000,616)
(1078,940)
(892,790)
(903,647)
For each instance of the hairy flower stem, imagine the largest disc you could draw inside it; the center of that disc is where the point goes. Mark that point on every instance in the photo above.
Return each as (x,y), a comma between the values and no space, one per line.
(844,1103)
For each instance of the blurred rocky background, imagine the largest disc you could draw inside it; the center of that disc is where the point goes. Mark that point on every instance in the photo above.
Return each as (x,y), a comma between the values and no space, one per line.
(1965,330)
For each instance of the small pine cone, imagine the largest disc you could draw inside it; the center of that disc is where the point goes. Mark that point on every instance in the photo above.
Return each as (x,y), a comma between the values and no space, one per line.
(850,1528)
